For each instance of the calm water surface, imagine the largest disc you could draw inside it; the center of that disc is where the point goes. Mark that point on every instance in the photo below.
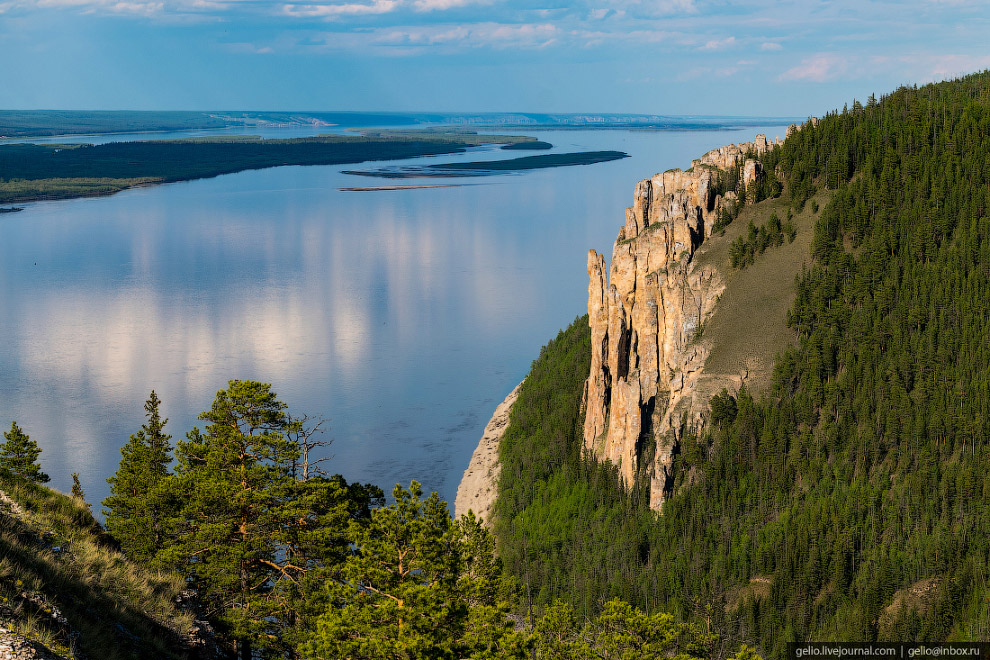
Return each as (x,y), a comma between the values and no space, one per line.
(402,317)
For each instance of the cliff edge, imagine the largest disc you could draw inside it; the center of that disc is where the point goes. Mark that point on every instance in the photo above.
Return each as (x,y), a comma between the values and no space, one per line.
(647,383)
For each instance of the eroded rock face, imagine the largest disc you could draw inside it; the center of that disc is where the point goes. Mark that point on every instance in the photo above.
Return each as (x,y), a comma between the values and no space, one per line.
(646,318)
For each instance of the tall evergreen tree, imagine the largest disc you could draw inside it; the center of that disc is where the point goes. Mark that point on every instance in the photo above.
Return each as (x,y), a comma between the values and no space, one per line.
(235,479)
(138,505)
(418,585)
(20,455)
(77,489)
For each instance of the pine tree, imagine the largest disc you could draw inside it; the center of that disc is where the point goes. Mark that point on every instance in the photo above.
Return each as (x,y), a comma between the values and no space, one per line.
(137,509)
(77,490)
(418,585)
(235,479)
(20,455)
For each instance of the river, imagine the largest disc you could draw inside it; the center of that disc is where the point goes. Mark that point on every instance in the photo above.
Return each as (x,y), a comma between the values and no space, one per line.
(402,317)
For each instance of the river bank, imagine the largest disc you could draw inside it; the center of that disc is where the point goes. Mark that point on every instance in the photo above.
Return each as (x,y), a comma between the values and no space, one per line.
(479,485)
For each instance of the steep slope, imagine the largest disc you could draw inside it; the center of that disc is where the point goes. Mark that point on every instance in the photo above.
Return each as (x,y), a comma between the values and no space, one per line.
(65,592)
(648,383)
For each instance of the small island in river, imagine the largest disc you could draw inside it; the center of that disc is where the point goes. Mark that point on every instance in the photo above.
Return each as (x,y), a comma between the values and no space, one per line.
(32,172)
(490,167)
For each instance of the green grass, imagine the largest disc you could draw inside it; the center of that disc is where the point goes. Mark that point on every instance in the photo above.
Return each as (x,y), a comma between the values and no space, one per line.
(64,585)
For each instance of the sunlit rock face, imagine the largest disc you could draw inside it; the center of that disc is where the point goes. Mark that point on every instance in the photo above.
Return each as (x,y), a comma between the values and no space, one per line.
(646,318)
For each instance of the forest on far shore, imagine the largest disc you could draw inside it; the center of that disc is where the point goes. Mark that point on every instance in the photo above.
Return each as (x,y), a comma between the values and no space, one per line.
(30,172)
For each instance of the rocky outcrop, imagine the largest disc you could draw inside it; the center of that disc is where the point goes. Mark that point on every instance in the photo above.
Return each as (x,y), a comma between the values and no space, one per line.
(479,485)
(17,647)
(647,314)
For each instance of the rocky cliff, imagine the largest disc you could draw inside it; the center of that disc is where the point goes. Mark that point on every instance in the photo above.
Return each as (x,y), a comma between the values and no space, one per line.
(479,485)
(647,318)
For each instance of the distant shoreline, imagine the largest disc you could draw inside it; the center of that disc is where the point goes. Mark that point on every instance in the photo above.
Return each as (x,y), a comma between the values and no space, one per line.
(380,188)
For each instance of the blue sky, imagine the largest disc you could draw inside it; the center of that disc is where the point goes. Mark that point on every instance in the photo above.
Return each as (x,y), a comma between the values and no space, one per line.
(644,56)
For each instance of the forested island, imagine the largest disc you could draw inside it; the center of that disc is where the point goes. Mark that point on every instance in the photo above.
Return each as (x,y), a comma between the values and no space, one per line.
(490,167)
(842,498)
(30,172)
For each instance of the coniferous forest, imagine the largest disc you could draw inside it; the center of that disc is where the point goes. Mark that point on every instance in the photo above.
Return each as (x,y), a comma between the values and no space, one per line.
(850,502)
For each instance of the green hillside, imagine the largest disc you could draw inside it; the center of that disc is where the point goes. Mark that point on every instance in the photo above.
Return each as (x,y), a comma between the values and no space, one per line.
(850,501)
(66,590)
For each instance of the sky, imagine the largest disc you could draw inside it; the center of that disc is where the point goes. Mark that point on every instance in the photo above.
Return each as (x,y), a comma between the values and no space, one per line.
(671,57)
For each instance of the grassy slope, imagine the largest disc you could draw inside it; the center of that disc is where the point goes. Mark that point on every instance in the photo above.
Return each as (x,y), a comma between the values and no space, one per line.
(64,587)
(749,326)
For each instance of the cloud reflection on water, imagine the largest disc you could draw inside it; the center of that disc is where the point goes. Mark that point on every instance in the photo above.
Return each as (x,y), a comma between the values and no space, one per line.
(181,295)
(403,316)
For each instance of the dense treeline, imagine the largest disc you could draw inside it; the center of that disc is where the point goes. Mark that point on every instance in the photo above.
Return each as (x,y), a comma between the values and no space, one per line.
(489,167)
(177,160)
(565,525)
(851,503)
(25,191)
(33,123)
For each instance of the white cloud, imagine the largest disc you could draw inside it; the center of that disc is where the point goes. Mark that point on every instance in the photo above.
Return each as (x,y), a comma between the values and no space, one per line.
(132,7)
(473,36)
(718,44)
(818,68)
(439,5)
(332,10)
(770,45)
(173,8)
(146,8)
(335,10)
(663,7)
(250,48)
(408,40)
(942,67)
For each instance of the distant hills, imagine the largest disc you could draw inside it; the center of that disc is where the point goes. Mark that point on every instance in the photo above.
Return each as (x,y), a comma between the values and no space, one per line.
(47,123)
